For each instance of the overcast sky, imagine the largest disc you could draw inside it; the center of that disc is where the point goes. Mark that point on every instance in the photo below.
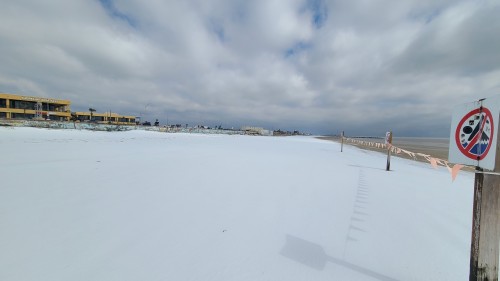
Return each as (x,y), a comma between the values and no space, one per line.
(316,66)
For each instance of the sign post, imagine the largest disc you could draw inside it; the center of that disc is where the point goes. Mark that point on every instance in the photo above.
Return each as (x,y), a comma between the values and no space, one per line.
(342,142)
(388,141)
(473,141)
(485,228)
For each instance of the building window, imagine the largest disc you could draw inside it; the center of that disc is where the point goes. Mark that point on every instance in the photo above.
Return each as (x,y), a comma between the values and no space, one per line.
(22,104)
(3,115)
(3,103)
(22,116)
(56,107)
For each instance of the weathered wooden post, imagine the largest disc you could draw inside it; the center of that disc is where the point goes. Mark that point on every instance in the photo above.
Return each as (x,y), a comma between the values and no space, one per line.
(388,141)
(342,142)
(474,142)
(485,225)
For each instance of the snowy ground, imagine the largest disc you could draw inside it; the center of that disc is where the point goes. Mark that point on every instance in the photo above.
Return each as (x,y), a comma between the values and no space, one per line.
(82,205)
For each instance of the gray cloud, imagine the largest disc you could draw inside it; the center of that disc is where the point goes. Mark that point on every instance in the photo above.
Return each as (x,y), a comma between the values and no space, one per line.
(460,41)
(318,66)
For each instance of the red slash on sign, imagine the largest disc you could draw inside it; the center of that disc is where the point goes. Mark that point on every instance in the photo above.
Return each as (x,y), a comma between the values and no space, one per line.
(474,133)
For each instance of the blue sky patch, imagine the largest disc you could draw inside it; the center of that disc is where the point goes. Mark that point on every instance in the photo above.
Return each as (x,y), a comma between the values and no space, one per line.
(218,30)
(297,48)
(110,8)
(320,12)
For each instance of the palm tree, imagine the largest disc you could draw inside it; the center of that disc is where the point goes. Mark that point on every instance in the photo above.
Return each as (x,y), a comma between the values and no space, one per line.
(91,110)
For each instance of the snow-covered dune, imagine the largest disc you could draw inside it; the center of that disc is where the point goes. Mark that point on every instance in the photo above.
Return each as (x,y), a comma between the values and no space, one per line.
(137,205)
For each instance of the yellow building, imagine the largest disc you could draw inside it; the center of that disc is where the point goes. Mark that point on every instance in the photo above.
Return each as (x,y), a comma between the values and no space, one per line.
(105,118)
(36,108)
(25,107)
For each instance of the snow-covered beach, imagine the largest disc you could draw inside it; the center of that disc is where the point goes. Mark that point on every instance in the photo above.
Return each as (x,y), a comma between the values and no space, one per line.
(138,205)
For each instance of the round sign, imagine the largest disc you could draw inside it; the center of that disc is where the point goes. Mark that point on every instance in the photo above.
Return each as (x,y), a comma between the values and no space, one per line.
(474,133)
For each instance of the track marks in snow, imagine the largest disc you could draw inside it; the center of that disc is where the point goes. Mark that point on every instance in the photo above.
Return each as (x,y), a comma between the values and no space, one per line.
(359,213)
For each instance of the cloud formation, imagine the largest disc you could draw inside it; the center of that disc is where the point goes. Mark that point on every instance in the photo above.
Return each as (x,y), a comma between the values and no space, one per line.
(319,66)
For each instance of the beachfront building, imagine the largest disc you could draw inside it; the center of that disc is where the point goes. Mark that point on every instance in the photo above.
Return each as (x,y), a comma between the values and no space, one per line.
(26,107)
(105,118)
(37,108)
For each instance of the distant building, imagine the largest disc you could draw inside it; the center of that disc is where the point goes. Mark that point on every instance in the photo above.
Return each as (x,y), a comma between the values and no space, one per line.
(26,107)
(37,108)
(256,131)
(105,118)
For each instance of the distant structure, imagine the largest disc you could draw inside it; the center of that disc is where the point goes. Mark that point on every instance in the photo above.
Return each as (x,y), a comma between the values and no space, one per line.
(38,108)
(105,118)
(256,131)
(25,107)
(287,133)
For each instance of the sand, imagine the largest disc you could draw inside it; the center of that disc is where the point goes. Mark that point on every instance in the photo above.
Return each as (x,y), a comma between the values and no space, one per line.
(437,150)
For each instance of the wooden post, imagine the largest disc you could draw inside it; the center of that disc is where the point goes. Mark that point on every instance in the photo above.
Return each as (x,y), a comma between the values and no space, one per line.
(342,142)
(485,225)
(389,143)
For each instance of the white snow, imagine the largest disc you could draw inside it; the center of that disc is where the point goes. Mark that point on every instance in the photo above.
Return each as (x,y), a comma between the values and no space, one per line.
(137,205)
